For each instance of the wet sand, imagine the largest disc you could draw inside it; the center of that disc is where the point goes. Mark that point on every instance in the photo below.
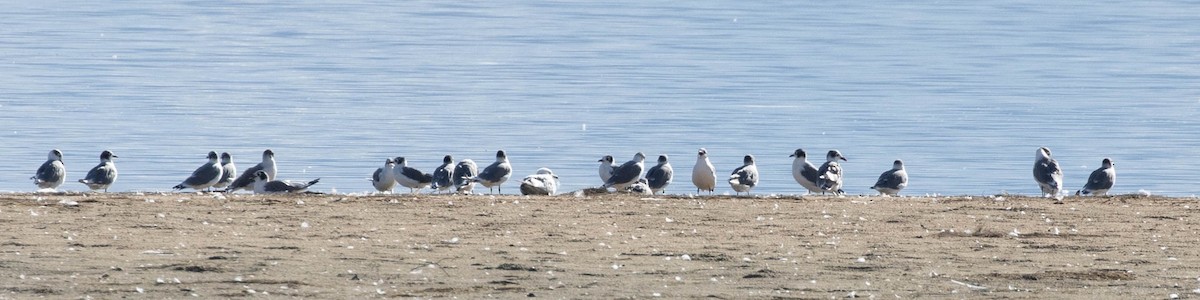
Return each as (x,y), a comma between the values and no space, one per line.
(606,246)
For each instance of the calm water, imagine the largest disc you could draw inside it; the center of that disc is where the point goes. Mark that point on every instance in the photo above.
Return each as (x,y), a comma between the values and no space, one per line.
(964,93)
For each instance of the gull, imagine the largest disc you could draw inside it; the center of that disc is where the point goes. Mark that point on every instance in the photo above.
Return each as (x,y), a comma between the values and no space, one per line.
(627,173)
(1047,174)
(409,177)
(52,173)
(1101,180)
(804,172)
(606,167)
(243,182)
(442,180)
(228,173)
(830,179)
(463,172)
(262,185)
(640,187)
(102,175)
(542,183)
(660,175)
(495,174)
(745,177)
(704,176)
(383,179)
(892,181)
(206,175)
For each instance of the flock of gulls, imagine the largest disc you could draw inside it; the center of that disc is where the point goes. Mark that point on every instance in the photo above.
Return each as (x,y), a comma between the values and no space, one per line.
(218,174)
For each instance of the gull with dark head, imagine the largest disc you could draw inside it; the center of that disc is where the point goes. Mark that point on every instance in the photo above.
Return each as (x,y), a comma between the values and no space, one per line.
(542,183)
(228,171)
(892,181)
(410,177)
(1047,174)
(52,173)
(660,175)
(805,173)
(262,185)
(830,179)
(495,174)
(627,173)
(102,175)
(640,187)
(704,176)
(463,172)
(606,167)
(205,176)
(744,178)
(384,179)
(442,180)
(1101,180)
(244,181)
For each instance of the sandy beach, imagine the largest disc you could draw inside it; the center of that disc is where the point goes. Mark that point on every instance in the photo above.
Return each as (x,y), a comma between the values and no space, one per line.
(606,246)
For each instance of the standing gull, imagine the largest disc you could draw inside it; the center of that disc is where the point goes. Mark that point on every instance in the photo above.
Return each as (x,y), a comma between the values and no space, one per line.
(660,175)
(704,176)
(745,177)
(409,177)
(102,175)
(495,174)
(627,173)
(205,176)
(384,179)
(892,181)
(606,167)
(805,173)
(1101,180)
(52,173)
(244,181)
(1047,174)
(542,183)
(442,180)
(463,172)
(262,185)
(228,173)
(830,179)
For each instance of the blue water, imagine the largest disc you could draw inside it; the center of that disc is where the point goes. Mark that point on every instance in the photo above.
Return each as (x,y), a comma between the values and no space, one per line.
(963,92)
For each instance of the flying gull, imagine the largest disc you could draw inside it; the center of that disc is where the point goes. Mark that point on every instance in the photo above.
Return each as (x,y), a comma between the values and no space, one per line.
(1047,174)
(892,181)
(830,179)
(206,175)
(542,183)
(704,176)
(745,177)
(1101,180)
(805,173)
(102,175)
(660,175)
(262,185)
(52,173)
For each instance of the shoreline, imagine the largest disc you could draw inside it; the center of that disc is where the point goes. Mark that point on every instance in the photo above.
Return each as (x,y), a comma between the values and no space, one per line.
(175,245)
